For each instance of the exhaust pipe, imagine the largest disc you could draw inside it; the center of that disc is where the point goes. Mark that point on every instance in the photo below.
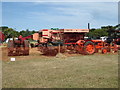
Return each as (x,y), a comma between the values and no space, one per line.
(88,25)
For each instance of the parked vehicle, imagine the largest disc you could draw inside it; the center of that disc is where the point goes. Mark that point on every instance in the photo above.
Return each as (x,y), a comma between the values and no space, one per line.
(53,41)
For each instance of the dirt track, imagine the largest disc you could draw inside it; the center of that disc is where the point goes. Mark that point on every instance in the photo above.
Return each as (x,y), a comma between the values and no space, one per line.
(5,57)
(34,53)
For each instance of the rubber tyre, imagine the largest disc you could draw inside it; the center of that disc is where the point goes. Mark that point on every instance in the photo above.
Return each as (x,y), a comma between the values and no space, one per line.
(104,50)
(89,48)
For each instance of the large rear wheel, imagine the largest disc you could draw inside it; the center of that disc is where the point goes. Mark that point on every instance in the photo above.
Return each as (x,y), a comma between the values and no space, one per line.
(89,48)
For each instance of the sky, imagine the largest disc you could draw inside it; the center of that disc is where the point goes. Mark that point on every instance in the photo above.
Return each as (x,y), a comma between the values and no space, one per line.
(46,15)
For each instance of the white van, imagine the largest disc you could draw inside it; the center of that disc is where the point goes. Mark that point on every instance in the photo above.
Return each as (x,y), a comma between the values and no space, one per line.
(103,38)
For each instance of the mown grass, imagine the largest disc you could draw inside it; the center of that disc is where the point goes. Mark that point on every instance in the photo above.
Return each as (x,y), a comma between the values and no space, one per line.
(75,71)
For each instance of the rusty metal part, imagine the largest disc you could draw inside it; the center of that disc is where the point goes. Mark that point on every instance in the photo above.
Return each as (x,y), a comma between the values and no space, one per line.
(16,48)
(50,50)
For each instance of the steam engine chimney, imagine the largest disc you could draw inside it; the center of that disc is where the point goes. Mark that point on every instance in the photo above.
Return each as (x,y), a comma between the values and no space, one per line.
(88,25)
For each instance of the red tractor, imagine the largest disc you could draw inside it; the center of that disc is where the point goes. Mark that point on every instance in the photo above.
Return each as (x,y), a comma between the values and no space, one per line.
(61,40)
(67,39)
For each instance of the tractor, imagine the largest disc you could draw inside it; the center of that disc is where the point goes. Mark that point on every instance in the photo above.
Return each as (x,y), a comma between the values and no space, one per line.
(53,41)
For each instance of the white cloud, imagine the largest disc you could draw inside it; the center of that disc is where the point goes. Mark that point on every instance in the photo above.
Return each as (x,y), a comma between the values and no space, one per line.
(78,14)
(70,15)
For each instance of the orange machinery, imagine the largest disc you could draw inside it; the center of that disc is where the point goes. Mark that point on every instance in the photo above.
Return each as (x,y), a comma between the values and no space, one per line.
(51,42)
(73,39)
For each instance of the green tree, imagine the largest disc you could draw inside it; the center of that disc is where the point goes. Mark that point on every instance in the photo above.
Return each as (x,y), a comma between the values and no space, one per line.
(27,32)
(95,33)
(22,33)
(10,33)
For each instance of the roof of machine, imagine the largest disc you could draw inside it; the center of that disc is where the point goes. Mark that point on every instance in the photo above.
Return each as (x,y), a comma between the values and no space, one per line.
(75,30)
(67,30)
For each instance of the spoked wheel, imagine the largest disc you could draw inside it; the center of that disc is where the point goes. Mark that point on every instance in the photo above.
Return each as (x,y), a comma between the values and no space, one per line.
(89,48)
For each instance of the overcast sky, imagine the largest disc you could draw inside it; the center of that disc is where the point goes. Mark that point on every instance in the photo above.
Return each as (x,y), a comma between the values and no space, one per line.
(40,15)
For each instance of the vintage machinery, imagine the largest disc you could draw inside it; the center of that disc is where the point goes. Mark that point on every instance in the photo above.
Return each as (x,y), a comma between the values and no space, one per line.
(61,40)
(2,37)
(117,35)
(19,47)
(50,41)
(53,41)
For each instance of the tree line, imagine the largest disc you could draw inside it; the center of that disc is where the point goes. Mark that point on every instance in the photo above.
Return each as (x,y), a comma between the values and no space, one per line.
(10,32)
(103,31)
(94,33)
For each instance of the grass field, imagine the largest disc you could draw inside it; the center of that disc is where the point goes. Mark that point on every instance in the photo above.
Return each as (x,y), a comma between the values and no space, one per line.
(71,71)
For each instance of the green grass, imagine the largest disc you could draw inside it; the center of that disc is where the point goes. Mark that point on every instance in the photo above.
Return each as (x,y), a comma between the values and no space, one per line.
(77,71)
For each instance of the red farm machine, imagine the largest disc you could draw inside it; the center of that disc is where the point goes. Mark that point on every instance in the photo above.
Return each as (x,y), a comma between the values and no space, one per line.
(19,47)
(72,40)
(51,42)
(2,37)
(54,41)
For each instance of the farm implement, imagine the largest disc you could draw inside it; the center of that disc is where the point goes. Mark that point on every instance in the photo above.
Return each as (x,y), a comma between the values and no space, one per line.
(19,47)
(72,40)
(53,41)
